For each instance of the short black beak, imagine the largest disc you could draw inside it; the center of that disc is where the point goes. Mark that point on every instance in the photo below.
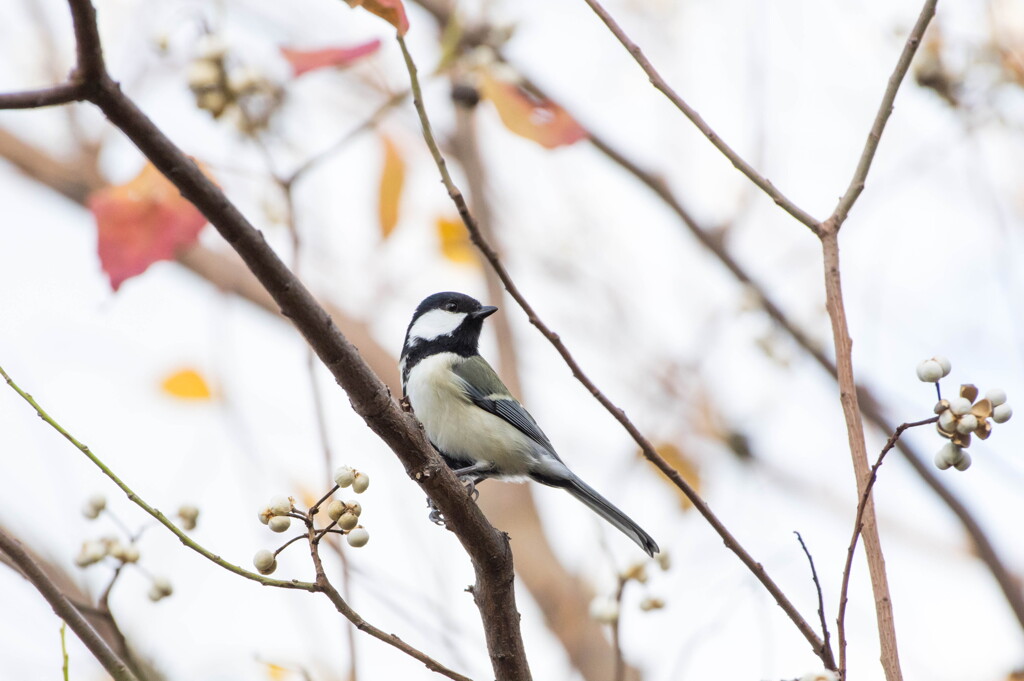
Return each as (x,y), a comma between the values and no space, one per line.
(485,311)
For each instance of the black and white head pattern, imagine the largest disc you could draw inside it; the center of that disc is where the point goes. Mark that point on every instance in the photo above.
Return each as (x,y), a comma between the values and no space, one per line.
(443,322)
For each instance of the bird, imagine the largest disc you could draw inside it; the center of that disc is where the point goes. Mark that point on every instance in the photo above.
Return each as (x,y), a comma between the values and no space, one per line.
(471,418)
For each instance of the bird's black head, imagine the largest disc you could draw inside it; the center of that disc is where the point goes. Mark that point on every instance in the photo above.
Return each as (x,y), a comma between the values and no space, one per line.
(444,322)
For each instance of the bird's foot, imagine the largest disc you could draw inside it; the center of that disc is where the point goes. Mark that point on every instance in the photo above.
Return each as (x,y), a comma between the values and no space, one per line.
(435,513)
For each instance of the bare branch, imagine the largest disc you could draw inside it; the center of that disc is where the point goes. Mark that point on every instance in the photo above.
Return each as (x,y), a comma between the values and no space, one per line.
(648,450)
(829,660)
(64,609)
(858,525)
(882,117)
(737,161)
(36,99)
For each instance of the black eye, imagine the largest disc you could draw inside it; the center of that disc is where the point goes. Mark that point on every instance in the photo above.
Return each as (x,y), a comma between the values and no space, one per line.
(451,307)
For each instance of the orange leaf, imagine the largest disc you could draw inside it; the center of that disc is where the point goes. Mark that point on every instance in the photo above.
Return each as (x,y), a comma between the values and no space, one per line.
(391,11)
(187,384)
(303,61)
(392,179)
(529,116)
(455,243)
(141,222)
(686,466)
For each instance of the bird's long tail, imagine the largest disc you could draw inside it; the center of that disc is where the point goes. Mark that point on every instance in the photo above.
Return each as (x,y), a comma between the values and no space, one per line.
(604,508)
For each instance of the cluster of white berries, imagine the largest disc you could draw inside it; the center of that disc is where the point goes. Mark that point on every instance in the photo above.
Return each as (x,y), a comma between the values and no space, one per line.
(344,516)
(960,417)
(240,93)
(94,551)
(605,609)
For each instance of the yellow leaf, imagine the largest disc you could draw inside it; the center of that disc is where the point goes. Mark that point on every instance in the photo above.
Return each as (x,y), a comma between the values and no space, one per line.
(392,178)
(187,384)
(276,672)
(686,466)
(455,243)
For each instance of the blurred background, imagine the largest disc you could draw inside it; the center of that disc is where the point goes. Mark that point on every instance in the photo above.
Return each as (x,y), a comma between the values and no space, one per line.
(165,357)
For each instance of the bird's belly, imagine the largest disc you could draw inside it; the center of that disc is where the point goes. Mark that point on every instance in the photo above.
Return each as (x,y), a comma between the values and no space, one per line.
(459,428)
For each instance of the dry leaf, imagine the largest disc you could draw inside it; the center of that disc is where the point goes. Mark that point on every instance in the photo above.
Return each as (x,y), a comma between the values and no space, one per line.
(187,384)
(540,120)
(303,61)
(455,243)
(141,222)
(391,11)
(392,179)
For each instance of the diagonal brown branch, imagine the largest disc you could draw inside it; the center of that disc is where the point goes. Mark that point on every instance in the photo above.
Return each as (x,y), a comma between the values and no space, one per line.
(738,162)
(66,610)
(648,450)
(487,548)
(858,526)
(884,111)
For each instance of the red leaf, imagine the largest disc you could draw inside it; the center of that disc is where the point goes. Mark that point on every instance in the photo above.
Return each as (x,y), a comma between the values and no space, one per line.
(141,222)
(391,11)
(525,114)
(308,60)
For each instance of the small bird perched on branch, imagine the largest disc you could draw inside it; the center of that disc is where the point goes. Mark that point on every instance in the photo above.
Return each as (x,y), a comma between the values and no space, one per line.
(470,417)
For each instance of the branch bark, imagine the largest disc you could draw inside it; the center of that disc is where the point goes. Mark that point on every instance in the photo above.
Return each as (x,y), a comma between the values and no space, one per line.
(487,548)
(66,610)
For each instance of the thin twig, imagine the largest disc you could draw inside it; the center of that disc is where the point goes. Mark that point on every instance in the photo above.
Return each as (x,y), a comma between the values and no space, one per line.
(648,449)
(738,162)
(620,661)
(324,585)
(141,503)
(64,649)
(64,609)
(36,99)
(857,527)
(884,111)
(830,662)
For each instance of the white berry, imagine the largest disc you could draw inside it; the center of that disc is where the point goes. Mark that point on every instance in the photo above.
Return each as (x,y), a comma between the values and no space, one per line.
(203,73)
(929,371)
(996,396)
(358,537)
(1002,413)
(947,421)
(949,455)
(964,463)
(604,610)
(967,423)
(161,588)
(960,405)
(347,521)
(265,561)
(360,482)
(279,523)
(280,505)
(344,476)
(354,508)
(944,363)
(265,515)
(335,509)
(90,511)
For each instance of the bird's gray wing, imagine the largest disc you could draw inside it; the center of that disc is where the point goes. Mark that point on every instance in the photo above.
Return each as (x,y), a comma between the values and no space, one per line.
(485,390)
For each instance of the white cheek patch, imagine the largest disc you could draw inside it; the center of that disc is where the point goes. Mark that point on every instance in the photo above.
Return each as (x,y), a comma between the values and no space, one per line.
(436,323)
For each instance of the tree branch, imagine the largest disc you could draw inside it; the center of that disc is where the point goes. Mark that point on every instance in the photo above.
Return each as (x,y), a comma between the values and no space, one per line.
(64,609)
(857,528)
(648,450)
(36,99)
(737,161)
(487,548)
(882,117)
